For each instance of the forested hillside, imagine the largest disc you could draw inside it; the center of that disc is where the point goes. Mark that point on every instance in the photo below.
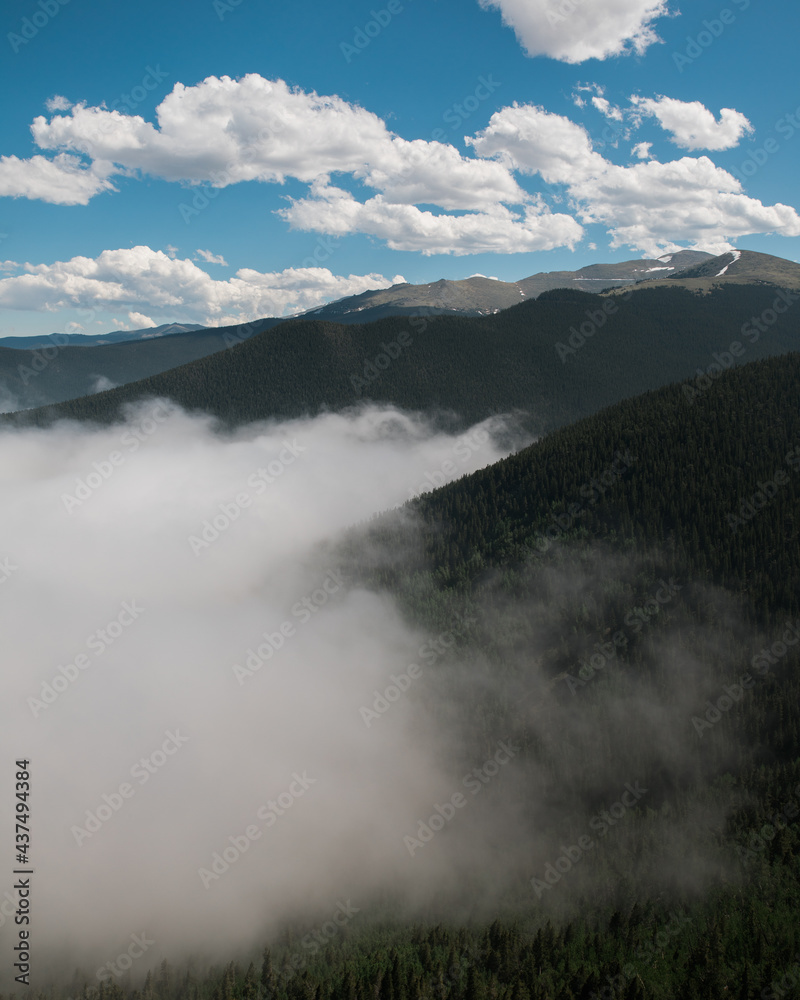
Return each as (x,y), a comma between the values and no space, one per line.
(708,478)
(561,357)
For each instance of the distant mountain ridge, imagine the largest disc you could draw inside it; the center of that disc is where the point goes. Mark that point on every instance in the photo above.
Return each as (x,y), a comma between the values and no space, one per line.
(482,296)
(98,339)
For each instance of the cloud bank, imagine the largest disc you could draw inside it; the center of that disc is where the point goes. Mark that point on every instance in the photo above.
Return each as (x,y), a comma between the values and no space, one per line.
(144,280)
(151,560)
(418,195)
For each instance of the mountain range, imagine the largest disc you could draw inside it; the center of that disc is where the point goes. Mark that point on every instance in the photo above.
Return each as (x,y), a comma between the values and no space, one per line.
(553,359)
(49,370)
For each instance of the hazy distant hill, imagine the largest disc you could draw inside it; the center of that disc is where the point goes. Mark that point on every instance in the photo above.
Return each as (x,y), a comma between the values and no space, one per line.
(48,373)
(97,340)
(520,359)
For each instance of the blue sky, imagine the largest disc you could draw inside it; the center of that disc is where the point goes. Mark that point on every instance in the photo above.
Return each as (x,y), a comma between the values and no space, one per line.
(215,161)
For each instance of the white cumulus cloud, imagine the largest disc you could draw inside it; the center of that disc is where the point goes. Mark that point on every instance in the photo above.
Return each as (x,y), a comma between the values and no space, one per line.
(140,278)
(224,131)
(406,227)
(413,195)
(140,322)
(692,125)
(650,206)
(573,31)
(64,180)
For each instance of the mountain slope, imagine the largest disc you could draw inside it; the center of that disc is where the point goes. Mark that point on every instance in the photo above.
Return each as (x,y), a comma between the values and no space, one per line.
(744,267)
(480,296)
(51,373)
(520,359)
(711,482)
(658,594)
